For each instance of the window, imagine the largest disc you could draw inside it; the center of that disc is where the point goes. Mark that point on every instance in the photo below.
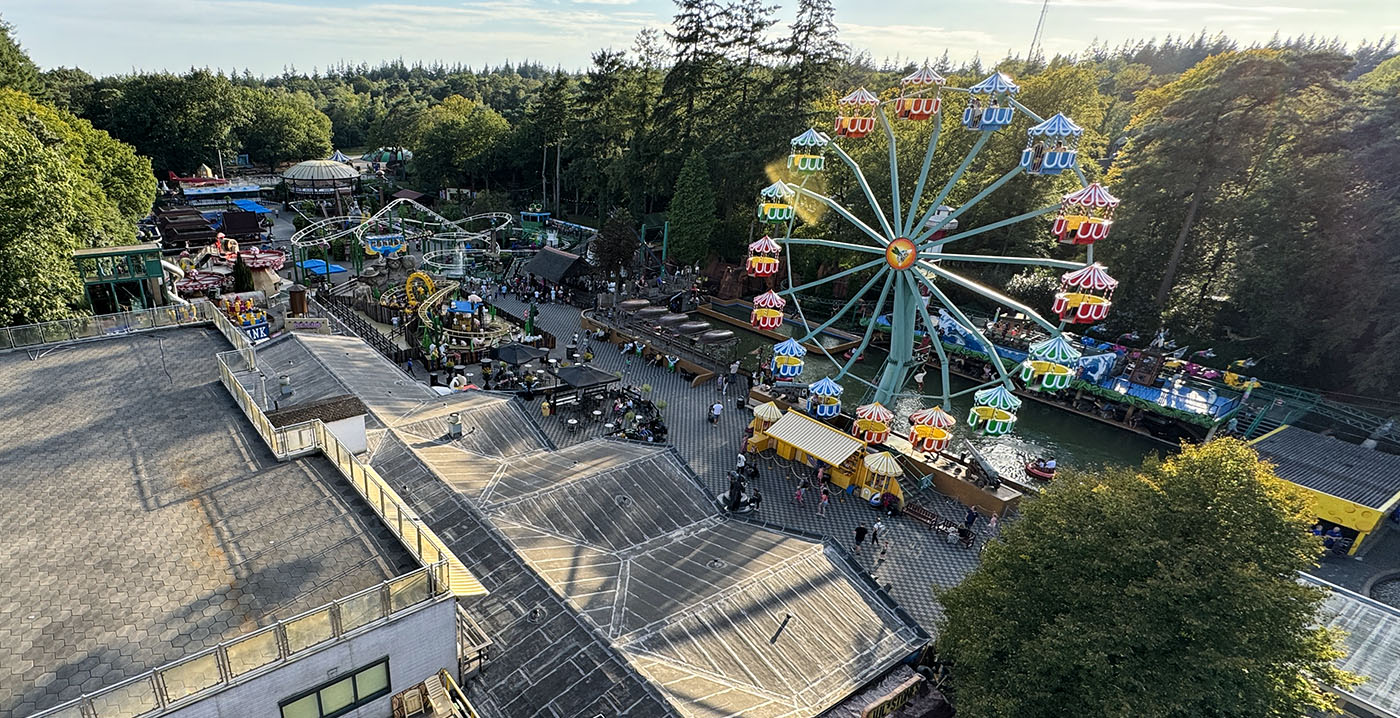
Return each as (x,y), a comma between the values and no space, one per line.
(341,695)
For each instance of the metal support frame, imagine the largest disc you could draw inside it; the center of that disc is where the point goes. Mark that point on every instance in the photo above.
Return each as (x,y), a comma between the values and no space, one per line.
(990,294)
(931,331)
(859,267)
(869,330)
(923,174)
(865,186)
(968,204)
(836,206)
(972,327)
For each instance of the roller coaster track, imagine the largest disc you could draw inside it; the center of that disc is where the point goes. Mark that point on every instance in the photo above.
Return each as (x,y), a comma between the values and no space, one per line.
(323,232)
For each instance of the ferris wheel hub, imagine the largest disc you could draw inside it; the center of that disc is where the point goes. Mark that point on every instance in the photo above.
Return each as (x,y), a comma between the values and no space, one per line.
(901,253)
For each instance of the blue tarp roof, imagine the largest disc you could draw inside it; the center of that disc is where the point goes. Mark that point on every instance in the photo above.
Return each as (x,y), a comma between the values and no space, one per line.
(318,266)
(1183,397)
(248,205)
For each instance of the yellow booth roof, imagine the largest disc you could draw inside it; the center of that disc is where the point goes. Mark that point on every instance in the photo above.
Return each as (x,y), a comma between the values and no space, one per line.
(815,438)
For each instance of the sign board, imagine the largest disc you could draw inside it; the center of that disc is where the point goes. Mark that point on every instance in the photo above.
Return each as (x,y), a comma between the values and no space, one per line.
(309,325)
(256,332)
(894,700)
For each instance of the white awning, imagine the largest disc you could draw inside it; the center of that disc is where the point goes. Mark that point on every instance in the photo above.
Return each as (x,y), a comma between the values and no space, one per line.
(815,438)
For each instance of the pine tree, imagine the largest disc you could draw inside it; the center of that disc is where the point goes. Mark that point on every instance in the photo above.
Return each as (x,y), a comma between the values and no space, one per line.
(692,212)
(17,71)
(616,244)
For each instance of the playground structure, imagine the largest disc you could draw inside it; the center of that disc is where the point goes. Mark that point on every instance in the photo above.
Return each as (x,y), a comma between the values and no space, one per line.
(910,248)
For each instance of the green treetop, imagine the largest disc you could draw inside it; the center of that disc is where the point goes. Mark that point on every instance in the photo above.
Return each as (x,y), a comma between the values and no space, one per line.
(1169,591)
(692,214)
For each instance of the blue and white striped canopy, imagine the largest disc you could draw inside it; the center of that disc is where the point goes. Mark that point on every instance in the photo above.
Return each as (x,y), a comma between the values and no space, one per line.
(1057,126)
(789,348)
(998,83)
(825,387)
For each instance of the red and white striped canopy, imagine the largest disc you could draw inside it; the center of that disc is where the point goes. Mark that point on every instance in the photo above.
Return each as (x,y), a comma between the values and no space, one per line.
(934,416)
(769,300)
(1091,277)
(765,245)
(924,76)
(1092,196)
(860,97)
(875,411)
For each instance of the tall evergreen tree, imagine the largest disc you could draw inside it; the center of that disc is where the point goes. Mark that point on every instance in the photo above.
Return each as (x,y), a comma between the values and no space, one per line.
(692,212)
(17,71)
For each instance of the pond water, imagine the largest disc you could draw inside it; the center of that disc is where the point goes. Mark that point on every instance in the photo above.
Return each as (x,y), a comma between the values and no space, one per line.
(1041,430)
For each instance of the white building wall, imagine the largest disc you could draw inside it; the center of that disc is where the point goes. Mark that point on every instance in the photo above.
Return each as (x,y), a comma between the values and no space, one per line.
(417,645)
(351,433)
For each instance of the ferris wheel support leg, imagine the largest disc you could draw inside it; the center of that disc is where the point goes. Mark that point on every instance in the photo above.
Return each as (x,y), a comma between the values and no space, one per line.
(995,225)
(836,206)
(869,330)
(901,357)
(997,297)
(865,186)
(837,316)
(894,173)
(958,314)
(868,265)
(969,204)
(931,330)
(923,174)
(947,188)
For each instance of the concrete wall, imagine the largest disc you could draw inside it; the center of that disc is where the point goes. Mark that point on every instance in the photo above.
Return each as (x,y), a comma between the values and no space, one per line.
(351,433)
(418,645)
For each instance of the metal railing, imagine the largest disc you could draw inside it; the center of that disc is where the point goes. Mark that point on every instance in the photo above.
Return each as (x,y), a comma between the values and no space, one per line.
(103,325)
(208,671)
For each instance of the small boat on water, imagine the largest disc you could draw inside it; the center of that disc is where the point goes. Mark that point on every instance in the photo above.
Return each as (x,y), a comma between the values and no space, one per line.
(1037,471)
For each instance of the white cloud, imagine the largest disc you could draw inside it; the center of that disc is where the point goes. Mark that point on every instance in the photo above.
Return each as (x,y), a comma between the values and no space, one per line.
(916,42)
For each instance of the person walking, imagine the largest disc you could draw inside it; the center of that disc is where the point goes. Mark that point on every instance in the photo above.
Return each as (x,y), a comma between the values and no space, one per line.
(970,518)
(919,378)
(715,410)
(861,531)
(875,532)
(801,492)
(739,466)
(826,499)
(756,499)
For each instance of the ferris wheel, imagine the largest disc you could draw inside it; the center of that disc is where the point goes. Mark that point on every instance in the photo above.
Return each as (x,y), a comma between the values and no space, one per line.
(911,248)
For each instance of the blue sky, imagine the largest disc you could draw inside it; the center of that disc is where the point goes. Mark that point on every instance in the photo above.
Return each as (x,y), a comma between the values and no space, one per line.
(115,36)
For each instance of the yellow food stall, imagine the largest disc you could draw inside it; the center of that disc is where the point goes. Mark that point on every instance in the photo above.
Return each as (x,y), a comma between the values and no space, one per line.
(798,437)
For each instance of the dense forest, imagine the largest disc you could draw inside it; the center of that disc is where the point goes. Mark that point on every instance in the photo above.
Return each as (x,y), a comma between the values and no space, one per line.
(1259,213)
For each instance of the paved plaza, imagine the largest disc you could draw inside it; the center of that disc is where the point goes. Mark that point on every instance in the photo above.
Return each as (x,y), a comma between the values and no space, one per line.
(917,560)
(144,520)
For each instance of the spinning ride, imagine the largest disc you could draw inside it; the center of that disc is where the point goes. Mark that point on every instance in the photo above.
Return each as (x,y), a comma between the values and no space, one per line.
(910,247)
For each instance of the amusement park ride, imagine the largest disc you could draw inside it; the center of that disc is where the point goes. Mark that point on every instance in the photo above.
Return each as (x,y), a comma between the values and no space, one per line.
(910,255)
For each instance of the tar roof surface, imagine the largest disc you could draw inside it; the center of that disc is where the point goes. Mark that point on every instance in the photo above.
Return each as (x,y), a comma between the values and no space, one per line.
(145,520)
(1332,466)
(615,586)
(1372,639)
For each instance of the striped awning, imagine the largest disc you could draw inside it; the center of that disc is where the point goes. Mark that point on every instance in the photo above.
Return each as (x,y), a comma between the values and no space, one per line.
(815,438)
(768,412)
(883,464)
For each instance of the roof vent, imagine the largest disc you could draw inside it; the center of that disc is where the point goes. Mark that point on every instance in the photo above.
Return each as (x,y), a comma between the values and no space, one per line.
(454,425)
(284,381)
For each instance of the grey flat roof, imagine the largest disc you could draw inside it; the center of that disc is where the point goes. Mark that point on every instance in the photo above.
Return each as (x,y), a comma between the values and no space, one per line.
(145,520)
(1332,466)
(616,587)
(1372,640)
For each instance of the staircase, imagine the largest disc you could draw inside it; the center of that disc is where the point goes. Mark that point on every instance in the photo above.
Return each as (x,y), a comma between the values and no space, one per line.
(1274,405)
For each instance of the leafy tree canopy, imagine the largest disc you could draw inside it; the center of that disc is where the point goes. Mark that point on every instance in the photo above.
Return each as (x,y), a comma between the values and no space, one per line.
(1165,592)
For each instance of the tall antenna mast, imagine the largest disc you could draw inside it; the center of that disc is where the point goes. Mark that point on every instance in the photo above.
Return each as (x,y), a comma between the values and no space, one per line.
(1039,25)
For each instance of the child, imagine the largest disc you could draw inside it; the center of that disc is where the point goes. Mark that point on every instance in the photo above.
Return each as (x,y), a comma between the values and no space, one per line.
(826,499)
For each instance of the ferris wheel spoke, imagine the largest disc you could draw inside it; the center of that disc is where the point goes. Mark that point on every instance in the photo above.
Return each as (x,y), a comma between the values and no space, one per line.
(991,294)
(952,181)
(870,329)
(989,259)
(952,308)
(1026,110)
(868,265)
(865,186)
(837,316)
(931,331)
(837,245)
(995,225)
(969,204)
(894,172)
(833,204)
(787,253)
(923,174)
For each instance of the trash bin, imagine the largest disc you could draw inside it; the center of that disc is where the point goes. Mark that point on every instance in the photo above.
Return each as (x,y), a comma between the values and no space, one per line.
(739,403)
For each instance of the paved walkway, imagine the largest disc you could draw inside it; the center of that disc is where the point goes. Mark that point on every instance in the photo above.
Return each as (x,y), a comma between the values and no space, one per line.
(915,561)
